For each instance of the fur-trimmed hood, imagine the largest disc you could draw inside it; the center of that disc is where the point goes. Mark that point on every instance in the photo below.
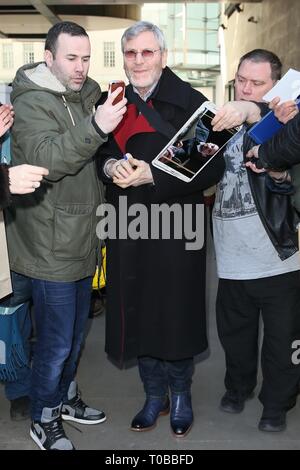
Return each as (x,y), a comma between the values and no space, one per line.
(38,77)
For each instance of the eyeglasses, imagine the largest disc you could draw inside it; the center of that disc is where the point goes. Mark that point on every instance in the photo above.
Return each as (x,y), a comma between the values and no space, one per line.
(147,54)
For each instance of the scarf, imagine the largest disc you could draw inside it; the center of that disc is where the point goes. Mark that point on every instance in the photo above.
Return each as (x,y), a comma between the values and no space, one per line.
(12,354)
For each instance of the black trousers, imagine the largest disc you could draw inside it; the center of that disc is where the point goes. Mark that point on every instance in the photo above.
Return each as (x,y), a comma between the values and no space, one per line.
(239,305)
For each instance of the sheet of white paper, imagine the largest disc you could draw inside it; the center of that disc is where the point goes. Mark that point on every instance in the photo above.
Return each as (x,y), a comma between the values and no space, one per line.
(288,88)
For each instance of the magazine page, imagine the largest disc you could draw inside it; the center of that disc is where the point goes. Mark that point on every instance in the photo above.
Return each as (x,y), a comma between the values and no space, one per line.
(194,145)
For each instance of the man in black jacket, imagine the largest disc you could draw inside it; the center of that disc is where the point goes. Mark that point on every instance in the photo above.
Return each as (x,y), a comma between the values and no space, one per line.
(258,266)
(148,315)
(282,151)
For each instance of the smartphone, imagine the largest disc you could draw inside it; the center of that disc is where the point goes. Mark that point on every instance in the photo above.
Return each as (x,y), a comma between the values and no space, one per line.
(113,85)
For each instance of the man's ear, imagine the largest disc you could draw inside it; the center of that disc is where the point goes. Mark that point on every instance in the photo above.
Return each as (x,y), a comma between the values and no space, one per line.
(48,57)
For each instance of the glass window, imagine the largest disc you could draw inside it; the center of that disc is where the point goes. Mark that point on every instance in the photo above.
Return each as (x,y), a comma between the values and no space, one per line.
(28,53)
(7,56)
(109,54)
(192,37)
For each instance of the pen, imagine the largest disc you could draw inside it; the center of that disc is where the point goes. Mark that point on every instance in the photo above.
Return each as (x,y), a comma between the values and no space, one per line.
(127,158)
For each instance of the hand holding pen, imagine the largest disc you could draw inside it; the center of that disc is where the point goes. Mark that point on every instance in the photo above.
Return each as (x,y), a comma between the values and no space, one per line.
(131,172)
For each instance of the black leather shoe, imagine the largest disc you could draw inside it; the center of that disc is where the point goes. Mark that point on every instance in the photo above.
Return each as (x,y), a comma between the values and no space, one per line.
(152,409)
(20,408)
(233,402)
(181,413)
(272,421)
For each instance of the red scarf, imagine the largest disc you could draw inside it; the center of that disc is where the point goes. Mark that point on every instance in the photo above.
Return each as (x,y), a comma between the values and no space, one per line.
(132,123)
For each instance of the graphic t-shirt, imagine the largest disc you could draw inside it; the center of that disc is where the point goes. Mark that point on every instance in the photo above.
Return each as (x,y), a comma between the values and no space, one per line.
(243,248)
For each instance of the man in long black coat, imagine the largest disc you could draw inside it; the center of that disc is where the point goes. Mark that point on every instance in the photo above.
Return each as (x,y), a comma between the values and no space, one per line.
(155,286)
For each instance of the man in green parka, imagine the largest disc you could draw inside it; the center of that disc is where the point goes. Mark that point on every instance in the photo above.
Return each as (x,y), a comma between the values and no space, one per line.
(52,231)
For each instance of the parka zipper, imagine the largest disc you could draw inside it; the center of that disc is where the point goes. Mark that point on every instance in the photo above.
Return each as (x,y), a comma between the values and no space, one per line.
(67,107)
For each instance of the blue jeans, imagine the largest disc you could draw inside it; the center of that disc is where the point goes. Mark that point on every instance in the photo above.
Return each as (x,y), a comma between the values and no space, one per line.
(21,387)
(61,313)
(158,375)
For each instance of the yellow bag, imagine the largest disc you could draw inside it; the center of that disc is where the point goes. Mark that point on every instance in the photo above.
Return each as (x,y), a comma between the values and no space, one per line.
(102,273)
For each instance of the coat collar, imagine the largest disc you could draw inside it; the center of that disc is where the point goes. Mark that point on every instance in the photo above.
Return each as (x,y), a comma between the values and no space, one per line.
(38,77)
(172,89)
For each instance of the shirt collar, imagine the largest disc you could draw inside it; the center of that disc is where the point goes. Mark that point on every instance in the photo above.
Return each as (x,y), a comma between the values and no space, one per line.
(149,92)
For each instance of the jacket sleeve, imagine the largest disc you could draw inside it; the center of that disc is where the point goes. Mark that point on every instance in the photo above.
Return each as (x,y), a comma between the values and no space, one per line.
(283,150)
(106,152)
(5,196)
(39,138)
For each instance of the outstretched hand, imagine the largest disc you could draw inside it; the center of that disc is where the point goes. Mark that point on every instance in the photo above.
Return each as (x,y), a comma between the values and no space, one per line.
(234,113)
(24,179)
(107,115)
(253,154)
(284,111)
(6,118)
(228,116)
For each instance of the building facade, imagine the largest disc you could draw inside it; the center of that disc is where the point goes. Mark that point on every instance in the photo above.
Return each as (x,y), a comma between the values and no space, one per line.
(191,31)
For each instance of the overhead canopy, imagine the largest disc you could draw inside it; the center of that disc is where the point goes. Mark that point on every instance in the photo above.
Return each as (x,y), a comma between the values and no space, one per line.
(32,18)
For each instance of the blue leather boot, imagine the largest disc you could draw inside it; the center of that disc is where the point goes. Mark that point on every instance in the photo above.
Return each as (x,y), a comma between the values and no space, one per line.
(181,413)
(152,409)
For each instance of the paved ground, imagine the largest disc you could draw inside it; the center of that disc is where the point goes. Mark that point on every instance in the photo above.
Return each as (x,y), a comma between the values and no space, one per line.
(120,394)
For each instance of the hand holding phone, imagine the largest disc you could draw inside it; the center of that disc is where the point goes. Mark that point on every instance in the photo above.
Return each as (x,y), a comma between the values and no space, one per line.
(107,115)
(113,85)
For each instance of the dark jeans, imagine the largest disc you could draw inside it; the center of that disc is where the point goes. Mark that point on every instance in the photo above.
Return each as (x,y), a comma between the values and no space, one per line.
(21,386)
(239,305)
(61,313)
(158,375)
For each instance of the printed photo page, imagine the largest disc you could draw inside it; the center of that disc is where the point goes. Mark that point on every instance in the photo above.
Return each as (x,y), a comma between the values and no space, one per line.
(194,145)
